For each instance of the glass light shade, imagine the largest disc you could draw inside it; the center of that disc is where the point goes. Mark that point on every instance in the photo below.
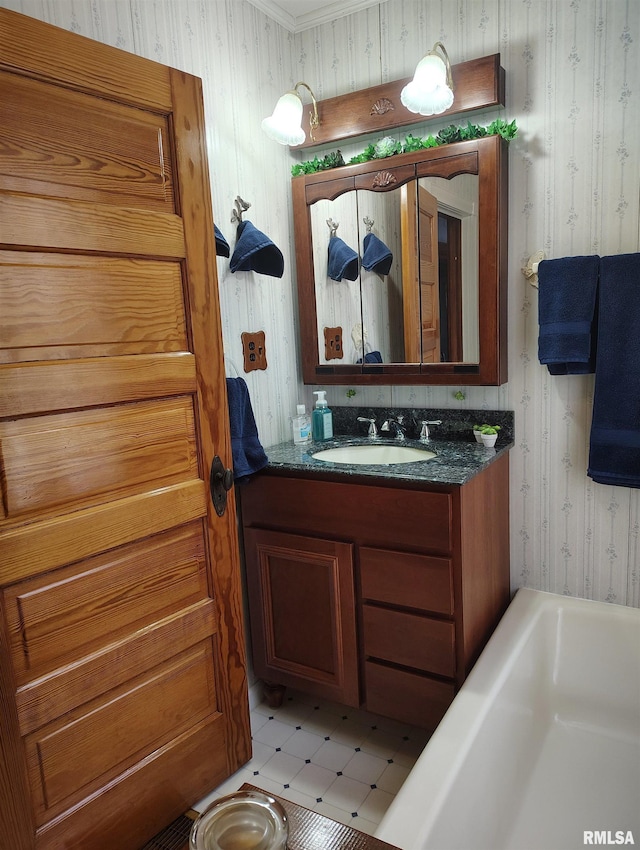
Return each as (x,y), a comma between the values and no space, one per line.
(430,73)
(428,92)
(285,125)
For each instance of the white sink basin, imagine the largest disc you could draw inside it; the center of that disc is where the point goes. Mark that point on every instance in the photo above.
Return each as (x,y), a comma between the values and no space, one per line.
(374,455)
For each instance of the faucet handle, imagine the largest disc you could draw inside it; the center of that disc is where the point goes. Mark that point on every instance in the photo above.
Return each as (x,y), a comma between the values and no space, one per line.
(424,432)
(373,431)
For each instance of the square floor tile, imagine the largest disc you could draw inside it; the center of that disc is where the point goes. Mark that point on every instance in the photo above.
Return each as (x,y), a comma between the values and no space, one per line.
(274,733)
(346,793)
(392,778)
(261,754)
(282,767)
(350,732)
(333,756)
(314,780)
(303,744)
(365,767)
(375,805)
(321,722)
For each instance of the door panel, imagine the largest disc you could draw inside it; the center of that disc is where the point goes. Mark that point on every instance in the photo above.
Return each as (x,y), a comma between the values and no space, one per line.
(119,584)
(60,306)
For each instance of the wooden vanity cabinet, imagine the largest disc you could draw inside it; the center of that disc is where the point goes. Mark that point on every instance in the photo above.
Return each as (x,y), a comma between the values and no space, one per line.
(380,595)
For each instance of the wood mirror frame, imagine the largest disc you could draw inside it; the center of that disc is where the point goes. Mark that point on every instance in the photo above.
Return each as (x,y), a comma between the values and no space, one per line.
(488,158)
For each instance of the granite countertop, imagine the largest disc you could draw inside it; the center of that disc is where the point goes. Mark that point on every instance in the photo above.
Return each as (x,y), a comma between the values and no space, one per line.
(456,461)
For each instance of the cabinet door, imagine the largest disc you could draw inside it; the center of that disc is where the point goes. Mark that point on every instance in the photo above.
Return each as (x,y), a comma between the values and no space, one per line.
(302,604)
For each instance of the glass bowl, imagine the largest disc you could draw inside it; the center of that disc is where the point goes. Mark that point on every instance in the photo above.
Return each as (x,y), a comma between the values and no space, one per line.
(245,820)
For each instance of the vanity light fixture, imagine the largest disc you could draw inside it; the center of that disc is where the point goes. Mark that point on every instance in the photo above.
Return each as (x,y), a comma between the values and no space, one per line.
(430,92)
(285,125)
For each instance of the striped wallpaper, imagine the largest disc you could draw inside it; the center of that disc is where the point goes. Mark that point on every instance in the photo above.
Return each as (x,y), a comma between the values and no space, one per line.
(572,70)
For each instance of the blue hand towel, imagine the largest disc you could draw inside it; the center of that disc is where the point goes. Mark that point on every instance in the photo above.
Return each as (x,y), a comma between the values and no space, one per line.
(376,257)
(255,252)
(371,357)
(567,314)
(246,449)
(614,455)
(222,246)
(343,260)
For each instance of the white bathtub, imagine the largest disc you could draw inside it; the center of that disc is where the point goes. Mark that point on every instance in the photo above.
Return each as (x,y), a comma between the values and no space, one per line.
(540,749)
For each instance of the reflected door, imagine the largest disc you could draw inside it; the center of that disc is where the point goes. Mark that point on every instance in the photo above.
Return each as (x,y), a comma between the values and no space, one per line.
(420,282)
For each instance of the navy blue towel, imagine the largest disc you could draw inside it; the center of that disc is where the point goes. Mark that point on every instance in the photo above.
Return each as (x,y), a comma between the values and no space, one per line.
(222,246)
(343,260)
(567,314)
(371,357)
(255,252)
(376,257)
(614,455)
(246,449)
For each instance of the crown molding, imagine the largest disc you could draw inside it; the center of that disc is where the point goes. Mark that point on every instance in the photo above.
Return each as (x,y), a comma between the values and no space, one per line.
(323,14)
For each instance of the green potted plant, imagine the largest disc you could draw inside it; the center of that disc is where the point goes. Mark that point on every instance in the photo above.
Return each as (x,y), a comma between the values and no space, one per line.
(489,435)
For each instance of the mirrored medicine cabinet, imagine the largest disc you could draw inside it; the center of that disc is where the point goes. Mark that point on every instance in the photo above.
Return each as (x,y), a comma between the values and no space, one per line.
(438,314)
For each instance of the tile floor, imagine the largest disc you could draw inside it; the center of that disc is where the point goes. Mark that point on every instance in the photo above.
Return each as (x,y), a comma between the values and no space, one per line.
(341,762)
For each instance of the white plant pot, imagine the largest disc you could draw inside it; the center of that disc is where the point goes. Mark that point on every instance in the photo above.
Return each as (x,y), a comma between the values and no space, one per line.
(489,440)
(477,435)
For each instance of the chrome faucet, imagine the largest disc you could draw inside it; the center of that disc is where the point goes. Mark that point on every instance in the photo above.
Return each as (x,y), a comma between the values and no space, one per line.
(373,431)
(396,425)
(424,432)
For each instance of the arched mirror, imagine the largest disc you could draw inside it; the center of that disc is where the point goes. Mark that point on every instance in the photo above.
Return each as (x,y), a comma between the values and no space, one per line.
(400,266)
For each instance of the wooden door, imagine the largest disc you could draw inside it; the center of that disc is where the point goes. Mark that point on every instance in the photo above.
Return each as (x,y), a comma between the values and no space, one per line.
(420,284)
(122,664)
(428,273)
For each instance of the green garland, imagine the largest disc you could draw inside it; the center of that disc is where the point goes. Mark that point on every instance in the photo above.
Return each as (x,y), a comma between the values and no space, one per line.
(390,146)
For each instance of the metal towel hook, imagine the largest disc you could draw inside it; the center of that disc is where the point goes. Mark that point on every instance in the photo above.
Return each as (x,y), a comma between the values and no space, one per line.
(368,223)
(241,207)
(333,226)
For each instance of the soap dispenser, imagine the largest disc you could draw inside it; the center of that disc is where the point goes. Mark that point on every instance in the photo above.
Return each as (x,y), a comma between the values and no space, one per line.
(301,425)
(322,418)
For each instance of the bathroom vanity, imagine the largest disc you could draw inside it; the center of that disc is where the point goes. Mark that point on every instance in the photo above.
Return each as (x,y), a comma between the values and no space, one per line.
(377,586)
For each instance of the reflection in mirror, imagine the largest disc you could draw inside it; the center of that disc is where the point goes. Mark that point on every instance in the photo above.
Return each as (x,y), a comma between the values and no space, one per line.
(425,307)
(338,302)
(440,279)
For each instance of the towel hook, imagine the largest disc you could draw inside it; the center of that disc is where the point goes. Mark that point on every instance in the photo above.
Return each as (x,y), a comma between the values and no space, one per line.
(333,226)
(368,223)
(530,271)
(241,207)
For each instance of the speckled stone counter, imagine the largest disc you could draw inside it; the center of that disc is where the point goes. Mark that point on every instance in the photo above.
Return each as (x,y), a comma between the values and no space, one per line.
(457,460)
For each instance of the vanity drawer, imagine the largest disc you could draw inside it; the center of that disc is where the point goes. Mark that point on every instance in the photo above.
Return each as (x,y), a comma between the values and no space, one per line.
(409,640)
(406,579)
(407,697)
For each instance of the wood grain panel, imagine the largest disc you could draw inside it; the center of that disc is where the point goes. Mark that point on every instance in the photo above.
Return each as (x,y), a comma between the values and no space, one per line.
(124,814)
(409,697)
(371,515)
(64,761)
(51,223)
(59,305)
(48,697)
(67,614)
(302,603)
(409,640)
(411,581)
(70,59)
(50,386)
(34,548)
(96,455)
(478,84)
(64,143)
